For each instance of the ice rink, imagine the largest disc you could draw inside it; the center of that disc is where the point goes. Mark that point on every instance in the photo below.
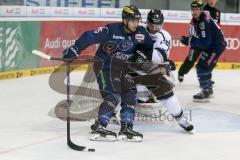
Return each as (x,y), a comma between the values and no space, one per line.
(28,133)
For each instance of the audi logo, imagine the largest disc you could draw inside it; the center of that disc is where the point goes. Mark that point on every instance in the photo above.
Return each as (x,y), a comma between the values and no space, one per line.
(233,43)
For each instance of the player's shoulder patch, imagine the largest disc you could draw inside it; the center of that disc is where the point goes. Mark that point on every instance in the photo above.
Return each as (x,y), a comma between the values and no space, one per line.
(101,29)
(141,33)
(112,27)
(139,37)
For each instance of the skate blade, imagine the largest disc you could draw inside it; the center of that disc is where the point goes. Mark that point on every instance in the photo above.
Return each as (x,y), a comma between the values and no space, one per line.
(125,139)
(201,100)
(98,137)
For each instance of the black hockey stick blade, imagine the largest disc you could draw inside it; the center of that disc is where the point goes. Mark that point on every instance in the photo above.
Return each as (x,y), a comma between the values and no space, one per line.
(78,148)
(71,144)
(69,141)
(74,146)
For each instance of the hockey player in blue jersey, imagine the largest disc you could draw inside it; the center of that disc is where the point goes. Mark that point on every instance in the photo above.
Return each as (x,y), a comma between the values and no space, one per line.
(117,43)
(205,37)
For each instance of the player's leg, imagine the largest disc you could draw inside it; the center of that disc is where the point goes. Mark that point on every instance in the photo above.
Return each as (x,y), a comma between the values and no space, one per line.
(164,94)
(168,100)
(188,63)
(106,109)
(127,89)
(127,115)
(204,75)
(207,62)
(174,107)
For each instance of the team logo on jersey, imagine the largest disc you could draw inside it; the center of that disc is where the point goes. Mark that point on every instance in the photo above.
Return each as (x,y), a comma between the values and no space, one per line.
(139,37)
(202,26)
(125,45)
(217,13)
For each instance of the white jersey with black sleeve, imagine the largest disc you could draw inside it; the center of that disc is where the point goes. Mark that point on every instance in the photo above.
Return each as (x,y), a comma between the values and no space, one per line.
(161,46)
(161,52)
(163,43)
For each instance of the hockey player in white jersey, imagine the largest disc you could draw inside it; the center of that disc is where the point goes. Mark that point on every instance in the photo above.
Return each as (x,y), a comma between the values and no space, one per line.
(163,39)
(159,56)
(154,26)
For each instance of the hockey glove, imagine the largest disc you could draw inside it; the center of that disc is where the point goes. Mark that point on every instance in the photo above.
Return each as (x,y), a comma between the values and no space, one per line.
(71,53)
(172,66)
(185,40)
(169,65)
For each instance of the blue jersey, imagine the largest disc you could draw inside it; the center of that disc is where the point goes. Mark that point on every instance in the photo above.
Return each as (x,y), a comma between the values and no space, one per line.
(205,33)
(114,35)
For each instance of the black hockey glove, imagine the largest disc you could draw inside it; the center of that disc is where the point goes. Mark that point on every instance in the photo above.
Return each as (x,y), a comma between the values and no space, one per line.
(185,40)
(71,53)
(141,55)
(169,65)
(172,66)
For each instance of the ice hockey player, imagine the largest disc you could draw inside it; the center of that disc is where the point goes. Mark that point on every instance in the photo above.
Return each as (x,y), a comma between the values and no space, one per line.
(163,39)
(205,37)
(117,42)
(194,54)
(149,64)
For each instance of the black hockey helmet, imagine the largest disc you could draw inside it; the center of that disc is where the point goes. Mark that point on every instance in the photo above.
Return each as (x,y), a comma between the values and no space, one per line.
(155,16)
(131,12)
(197,4)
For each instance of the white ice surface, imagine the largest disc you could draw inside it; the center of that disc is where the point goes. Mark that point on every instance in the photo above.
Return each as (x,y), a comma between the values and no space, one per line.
(28,133)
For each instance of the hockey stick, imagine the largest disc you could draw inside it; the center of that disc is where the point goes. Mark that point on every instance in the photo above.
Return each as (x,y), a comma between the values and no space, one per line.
(67,61)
